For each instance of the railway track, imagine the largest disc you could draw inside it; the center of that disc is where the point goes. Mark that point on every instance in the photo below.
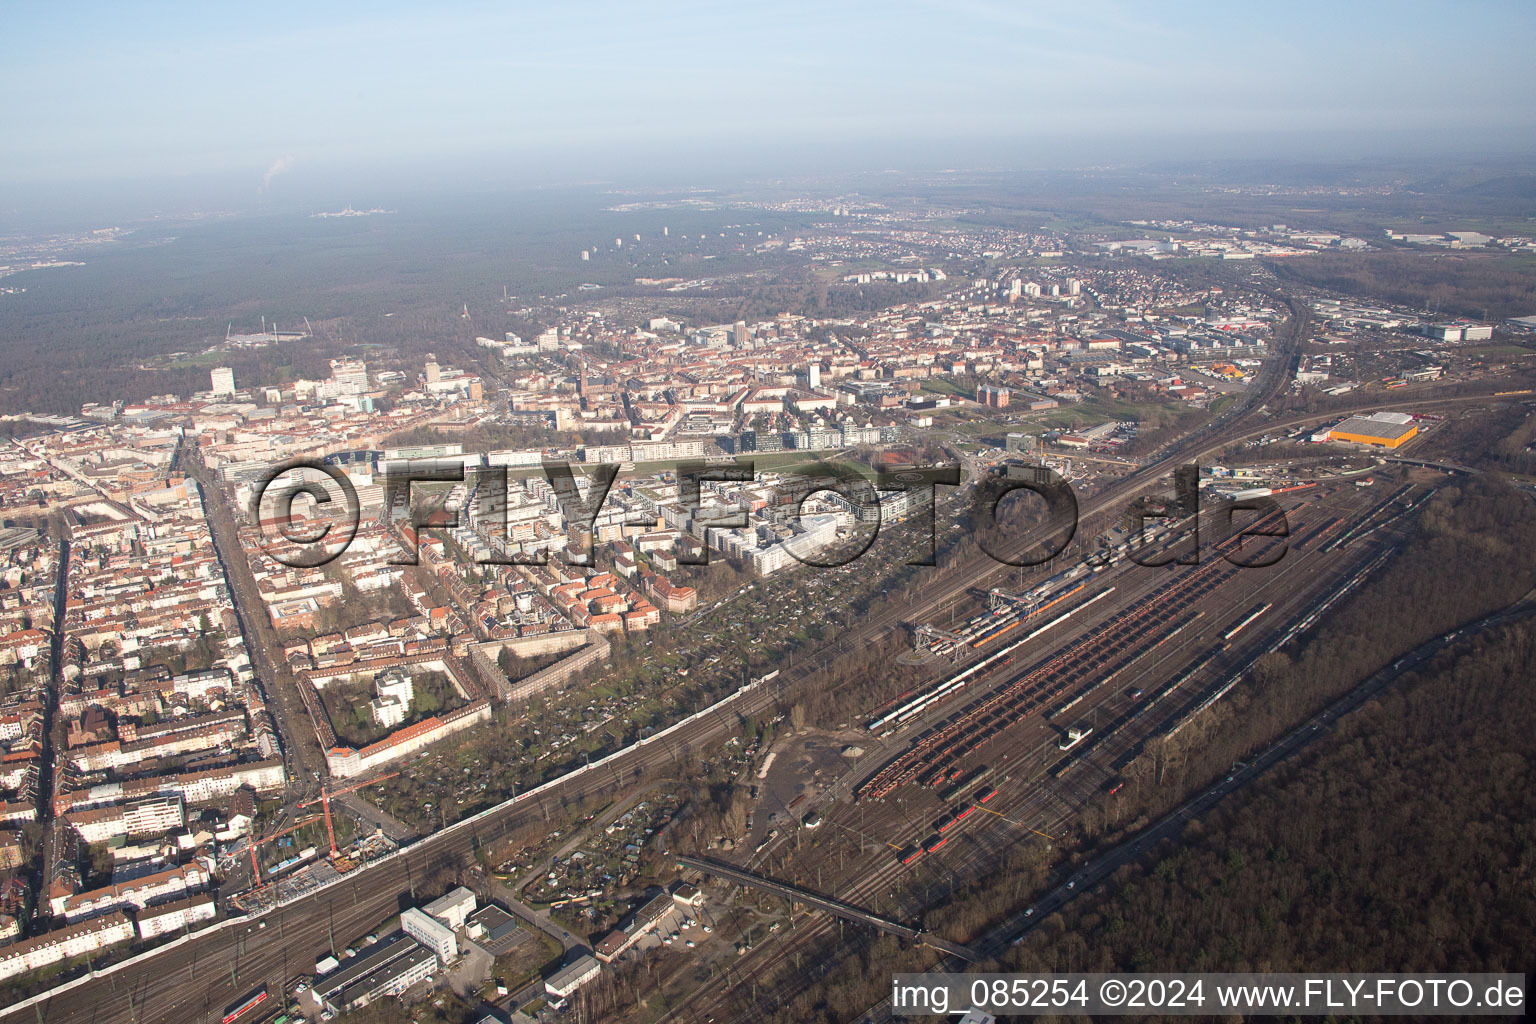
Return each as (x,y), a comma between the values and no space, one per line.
(1030,691)
(1050,807)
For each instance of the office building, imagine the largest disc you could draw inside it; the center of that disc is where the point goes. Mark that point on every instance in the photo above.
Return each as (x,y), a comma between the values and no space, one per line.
(431,933)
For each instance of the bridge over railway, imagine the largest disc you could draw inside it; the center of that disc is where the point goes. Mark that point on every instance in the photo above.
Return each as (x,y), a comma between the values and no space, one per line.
(1449,467)
(827,903)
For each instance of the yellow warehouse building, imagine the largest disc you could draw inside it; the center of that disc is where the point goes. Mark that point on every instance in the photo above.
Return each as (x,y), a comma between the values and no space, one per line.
(1377,431)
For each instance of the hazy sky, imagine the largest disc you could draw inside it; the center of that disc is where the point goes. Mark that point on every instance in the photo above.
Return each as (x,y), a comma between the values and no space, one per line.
(157,90)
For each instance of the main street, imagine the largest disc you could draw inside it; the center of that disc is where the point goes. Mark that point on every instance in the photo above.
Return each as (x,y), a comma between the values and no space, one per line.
(302,756)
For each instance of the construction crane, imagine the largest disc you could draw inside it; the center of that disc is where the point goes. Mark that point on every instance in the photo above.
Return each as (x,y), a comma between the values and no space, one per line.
(324,800)
(1001,600)
(253,842)
(936,641)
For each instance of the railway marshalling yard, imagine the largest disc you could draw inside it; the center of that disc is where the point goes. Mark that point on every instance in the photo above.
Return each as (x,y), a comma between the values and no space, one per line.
(1039,715)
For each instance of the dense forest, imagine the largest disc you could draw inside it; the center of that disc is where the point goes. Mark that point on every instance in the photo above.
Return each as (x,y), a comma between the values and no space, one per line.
(1455,285)
(106,328)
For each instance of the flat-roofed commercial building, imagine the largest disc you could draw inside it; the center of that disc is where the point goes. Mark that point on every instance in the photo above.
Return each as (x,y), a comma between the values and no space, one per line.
(1381,430)
(391,979)
(360,965)
(494,931)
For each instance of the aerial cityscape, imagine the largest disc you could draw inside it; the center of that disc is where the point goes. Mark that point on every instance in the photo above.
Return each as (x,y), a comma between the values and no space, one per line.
(729,543)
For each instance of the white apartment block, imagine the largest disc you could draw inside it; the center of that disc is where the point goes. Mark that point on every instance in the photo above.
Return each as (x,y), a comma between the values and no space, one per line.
(350,375)
(138,894)
(454,908)
(65,944)
(172,917)
(152,817)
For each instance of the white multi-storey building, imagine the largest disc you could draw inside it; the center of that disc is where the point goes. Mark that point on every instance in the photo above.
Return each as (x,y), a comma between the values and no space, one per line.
(171,917)
(138,894)
(431,933)
(351,376)
(65,944)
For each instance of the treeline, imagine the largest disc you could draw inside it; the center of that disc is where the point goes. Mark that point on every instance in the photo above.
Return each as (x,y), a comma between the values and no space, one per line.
(100,362)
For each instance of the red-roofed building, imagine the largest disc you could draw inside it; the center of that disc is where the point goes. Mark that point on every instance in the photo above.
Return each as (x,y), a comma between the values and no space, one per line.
(676,600)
